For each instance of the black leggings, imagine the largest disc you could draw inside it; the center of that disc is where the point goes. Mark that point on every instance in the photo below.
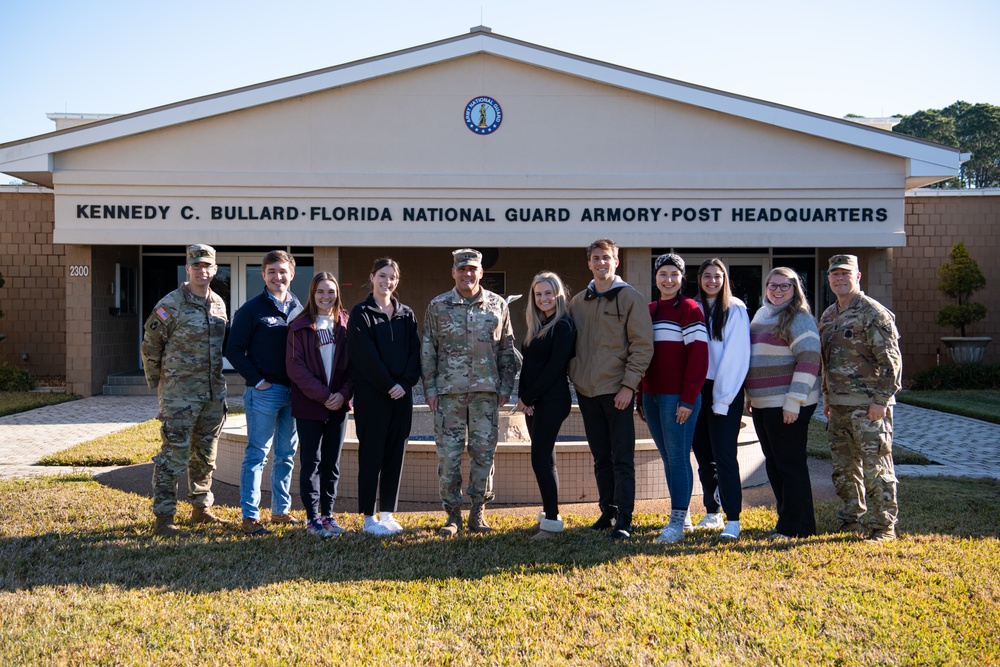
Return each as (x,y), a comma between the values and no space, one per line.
(383,426)
(543,427)
(715,448)
(784,447)
(320,444)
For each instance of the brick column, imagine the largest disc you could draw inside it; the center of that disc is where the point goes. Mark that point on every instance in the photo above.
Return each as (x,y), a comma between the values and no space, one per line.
(634,269)
(877,275)
(327,258)
(79,323)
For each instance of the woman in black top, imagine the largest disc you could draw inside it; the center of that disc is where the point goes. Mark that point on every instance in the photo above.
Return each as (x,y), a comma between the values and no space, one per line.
(543,392)
(385,361)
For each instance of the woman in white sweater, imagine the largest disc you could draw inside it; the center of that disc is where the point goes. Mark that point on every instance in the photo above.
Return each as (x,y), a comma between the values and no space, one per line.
(718,428)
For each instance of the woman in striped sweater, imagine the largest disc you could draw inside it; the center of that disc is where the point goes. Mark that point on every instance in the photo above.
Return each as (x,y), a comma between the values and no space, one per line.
(669,396)
(782,392)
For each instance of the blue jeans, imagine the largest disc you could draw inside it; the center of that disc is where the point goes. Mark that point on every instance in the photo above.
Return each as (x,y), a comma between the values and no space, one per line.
(674,442)
(269,422)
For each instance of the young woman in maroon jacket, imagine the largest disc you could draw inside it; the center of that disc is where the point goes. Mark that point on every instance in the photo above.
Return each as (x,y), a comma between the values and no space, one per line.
(669,396)
(317,362)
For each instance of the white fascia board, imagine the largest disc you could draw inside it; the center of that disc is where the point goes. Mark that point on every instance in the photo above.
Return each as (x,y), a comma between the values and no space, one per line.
(756,110)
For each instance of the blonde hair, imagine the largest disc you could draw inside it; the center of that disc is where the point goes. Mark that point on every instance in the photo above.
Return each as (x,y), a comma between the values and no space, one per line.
(537,327)
(799,302)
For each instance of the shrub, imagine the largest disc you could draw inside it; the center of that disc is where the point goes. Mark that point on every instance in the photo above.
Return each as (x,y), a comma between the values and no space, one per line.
(969,376)
(15,379)
(960,279)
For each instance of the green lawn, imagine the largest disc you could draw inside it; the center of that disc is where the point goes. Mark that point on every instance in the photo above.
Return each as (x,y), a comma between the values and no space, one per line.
(978,404)
(82,582)
(12,402)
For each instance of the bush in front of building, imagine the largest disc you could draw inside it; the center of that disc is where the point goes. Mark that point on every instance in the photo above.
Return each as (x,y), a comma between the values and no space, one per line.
(15,379)
(960,278)
(967,376)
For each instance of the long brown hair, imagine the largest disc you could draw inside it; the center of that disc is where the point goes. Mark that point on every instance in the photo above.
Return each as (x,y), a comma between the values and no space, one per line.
(718,313)
(799,302)
(380,264)
(311,309)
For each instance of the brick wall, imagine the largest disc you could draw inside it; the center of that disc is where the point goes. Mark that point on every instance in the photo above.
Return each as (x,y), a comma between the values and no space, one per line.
(34,268)
(933,225)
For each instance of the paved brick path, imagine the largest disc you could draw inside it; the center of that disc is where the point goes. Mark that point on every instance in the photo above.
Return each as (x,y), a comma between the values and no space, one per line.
(961,446)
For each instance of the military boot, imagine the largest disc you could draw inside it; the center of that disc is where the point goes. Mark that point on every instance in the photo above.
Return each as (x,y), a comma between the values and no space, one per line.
(452,525)
(477,524)
(204,515)
(165,526)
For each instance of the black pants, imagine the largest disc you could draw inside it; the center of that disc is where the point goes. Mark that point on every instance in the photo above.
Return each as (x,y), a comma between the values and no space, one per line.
(543,428)
(383,426)
(784,447)
(715,448)
(320,444)
(611,436)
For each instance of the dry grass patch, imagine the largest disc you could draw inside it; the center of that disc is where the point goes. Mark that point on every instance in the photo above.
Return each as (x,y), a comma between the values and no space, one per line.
(13,402)
(82,582)
(135,444)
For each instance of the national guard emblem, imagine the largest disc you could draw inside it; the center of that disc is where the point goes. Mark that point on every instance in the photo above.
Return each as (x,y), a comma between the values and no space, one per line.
(483,115)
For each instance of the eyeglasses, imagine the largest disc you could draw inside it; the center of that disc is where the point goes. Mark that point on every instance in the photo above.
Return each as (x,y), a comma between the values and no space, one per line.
(775,287)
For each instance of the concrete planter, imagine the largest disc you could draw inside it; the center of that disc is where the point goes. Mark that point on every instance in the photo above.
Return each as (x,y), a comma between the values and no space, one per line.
(964,350)
(513,481)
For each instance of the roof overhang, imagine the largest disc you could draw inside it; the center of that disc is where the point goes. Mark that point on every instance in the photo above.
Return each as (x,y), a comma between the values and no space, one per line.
(926,162)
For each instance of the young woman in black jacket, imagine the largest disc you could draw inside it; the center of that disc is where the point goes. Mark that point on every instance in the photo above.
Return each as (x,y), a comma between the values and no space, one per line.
(543,392)
(385,361)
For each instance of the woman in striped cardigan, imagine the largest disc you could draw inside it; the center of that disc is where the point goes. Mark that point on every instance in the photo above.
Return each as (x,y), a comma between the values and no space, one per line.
(782,392)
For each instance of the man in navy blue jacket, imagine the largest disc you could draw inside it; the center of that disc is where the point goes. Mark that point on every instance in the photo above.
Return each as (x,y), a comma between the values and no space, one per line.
(256,349)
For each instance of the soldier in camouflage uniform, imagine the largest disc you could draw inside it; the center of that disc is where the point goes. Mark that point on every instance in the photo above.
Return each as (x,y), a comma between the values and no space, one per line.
(862,369)
(182,357)
(468,365)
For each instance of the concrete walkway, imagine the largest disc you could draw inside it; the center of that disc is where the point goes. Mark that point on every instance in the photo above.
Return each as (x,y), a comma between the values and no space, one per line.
(962,446)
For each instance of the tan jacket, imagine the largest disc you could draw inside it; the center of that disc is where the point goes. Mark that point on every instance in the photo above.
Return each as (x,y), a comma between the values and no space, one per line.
(614,340)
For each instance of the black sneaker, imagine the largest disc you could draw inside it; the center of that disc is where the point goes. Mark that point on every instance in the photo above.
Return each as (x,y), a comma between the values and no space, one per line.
(621,535)
(606,522)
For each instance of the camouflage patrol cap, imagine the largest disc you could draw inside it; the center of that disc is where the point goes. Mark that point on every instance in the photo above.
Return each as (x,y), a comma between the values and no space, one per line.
(467,257)
(200,253)
(844,262)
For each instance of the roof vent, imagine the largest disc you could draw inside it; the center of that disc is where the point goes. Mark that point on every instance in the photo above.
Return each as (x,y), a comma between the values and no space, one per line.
(480,28)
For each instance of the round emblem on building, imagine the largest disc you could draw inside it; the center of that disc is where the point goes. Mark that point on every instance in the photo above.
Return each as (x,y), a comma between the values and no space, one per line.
(483,115)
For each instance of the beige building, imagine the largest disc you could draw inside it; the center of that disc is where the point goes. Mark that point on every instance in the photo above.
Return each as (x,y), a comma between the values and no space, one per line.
(479,140)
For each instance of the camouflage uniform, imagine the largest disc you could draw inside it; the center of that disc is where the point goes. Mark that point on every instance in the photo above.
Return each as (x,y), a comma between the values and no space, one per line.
(182,356)
(861,365)
(467,360)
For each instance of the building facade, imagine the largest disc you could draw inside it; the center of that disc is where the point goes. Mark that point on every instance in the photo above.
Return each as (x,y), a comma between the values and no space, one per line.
(481,140)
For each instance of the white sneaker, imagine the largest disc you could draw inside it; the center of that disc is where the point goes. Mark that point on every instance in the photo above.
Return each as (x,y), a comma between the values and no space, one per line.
(731,531)
(671,533)
(373,527)
(390,523)
(688,526)
(711,522)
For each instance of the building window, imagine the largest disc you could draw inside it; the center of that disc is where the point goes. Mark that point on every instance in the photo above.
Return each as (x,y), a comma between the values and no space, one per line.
(126,290)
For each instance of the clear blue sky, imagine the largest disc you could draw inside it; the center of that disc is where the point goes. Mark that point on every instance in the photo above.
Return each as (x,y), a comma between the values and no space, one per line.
(871,59)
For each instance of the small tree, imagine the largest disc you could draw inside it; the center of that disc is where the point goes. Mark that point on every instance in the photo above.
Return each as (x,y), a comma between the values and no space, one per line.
(960,278)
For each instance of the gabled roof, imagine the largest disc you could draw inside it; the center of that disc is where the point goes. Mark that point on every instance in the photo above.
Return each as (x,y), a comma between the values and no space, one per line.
(32,158)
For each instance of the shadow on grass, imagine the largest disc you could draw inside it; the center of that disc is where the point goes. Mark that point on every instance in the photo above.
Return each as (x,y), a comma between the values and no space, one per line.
(118,549)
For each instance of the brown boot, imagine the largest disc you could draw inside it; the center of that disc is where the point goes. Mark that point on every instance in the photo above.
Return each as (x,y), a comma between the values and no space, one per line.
(452,525)
(477,524)
(165,526)
(254,528)
(204,515)
(284,518)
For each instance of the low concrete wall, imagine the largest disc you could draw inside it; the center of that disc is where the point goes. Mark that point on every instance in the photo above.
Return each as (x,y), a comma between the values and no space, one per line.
(513,478)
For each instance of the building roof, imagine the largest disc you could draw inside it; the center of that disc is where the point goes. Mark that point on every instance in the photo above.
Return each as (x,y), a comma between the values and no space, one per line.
(32,158)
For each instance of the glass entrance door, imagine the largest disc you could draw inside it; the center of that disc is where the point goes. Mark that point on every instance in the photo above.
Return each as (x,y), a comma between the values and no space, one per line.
(746,276)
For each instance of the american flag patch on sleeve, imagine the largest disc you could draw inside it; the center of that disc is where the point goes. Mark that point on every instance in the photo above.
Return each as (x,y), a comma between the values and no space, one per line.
(162,313)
